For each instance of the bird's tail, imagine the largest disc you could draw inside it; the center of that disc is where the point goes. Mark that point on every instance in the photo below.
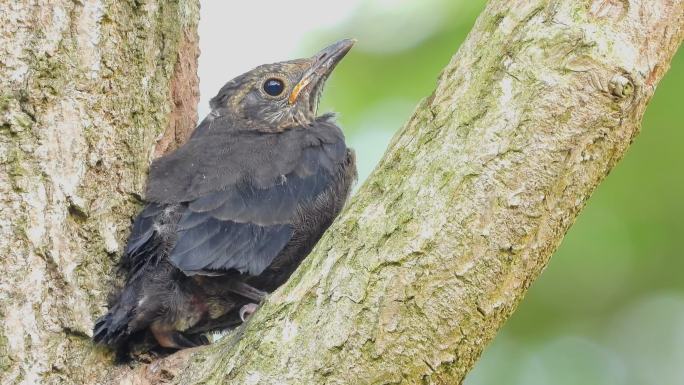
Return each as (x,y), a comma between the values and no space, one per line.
(114,328)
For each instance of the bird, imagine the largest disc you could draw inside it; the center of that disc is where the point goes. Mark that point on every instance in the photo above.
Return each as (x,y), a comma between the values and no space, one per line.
(230,214)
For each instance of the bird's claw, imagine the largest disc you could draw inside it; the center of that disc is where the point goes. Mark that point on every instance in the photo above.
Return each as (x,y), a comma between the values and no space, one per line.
(247,310)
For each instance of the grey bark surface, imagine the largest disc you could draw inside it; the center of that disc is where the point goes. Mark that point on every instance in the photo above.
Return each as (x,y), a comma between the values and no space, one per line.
(417,275)
(86,89)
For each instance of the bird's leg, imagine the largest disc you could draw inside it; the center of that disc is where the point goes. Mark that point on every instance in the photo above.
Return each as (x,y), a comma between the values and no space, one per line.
(247,291)
(226,321)
(195,339)
(247,310)
(169,338)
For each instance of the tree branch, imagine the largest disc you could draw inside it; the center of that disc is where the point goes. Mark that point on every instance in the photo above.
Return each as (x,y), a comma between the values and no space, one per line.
(474,195)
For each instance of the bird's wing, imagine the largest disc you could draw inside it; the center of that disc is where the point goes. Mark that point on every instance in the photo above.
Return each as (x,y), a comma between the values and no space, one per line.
(240,211)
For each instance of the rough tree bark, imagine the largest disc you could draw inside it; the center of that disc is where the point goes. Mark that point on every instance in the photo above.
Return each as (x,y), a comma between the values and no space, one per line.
(424,266)
(86,88)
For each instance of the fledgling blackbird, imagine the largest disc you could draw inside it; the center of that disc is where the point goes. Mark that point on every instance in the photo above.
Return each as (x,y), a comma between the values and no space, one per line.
(231,213)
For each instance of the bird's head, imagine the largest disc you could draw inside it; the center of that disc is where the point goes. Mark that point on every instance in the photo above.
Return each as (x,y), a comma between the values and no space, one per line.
(274,97)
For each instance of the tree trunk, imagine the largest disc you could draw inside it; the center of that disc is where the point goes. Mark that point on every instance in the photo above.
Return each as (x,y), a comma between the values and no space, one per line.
(427,262)
(86,88)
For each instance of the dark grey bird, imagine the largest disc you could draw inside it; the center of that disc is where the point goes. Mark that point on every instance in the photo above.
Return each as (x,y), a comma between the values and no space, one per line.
(232,213)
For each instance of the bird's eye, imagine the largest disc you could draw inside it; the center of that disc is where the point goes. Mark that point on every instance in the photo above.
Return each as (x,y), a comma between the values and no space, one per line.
(274,87)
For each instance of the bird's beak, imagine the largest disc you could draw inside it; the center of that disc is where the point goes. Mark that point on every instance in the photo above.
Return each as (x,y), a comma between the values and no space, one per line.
(323,64)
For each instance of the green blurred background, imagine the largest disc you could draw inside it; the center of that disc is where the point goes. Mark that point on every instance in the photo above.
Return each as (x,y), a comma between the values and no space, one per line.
(609,309)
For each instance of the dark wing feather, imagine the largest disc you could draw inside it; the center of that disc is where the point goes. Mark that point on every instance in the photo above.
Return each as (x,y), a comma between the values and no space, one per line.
(241,204)
(145,243)
(143,228)
(214,244)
